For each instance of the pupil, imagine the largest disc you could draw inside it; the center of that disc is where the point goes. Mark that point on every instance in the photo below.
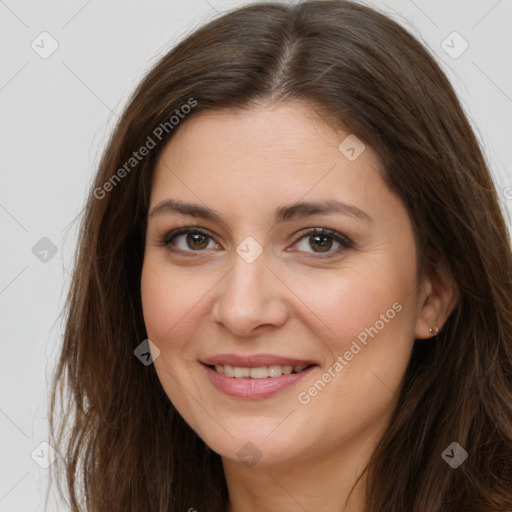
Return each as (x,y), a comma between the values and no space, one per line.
(194,239)
(325,245)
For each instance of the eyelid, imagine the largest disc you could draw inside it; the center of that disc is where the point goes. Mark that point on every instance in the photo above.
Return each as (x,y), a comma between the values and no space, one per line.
(340,237)
(344,241)
(185,230)
(166,240)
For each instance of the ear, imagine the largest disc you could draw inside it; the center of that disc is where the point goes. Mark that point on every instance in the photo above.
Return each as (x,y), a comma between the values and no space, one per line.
(437,297)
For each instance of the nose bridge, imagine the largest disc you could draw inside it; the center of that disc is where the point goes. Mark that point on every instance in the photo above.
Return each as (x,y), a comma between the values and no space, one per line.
(250,296)
(245,276)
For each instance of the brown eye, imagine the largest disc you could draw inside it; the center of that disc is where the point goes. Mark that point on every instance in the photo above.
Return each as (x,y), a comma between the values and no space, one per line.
(187,240)
(323,243)
(323,240)
(196,241)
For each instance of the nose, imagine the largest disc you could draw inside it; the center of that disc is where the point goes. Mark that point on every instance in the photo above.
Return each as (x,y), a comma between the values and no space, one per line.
(250,298)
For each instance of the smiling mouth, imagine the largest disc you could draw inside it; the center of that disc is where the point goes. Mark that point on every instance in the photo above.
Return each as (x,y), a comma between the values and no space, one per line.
(261,372)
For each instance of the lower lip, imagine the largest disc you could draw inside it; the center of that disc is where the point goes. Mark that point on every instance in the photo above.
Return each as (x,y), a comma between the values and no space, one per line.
(247,387)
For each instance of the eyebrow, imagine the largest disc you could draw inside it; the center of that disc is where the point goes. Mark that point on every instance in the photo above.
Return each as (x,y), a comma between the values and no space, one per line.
(300,210)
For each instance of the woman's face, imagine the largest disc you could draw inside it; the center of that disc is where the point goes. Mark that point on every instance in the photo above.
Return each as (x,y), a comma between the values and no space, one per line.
(249,286)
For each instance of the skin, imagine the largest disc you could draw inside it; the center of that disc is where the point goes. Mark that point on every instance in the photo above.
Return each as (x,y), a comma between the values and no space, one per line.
(293,300)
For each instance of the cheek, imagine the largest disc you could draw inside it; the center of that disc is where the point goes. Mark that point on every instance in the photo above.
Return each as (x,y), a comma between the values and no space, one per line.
(367,326)
(365,319)
(168,299)
(158,301)
(346,306)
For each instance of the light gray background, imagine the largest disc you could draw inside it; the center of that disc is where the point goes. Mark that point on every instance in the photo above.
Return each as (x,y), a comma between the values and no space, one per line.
(55,117)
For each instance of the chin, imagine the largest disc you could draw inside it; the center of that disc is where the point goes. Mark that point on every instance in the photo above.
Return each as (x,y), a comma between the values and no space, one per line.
(251,444)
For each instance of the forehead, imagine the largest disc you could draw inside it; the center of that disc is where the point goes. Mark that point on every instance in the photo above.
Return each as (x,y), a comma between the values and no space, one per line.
(288,146)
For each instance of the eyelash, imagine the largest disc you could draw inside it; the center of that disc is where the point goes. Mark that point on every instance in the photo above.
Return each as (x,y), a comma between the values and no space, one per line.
(344,241)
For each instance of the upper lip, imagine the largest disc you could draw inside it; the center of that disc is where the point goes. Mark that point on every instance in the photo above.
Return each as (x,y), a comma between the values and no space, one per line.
(254,361)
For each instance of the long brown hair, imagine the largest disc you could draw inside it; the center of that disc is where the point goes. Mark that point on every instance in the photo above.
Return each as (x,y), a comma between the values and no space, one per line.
(123,445)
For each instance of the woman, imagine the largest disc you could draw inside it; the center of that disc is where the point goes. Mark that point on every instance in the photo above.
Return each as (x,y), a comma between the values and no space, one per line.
(293,284)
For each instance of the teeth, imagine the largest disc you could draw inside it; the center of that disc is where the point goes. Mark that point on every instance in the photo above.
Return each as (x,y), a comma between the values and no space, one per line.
(262,372)
(275,371)
(242,372)
(258,373)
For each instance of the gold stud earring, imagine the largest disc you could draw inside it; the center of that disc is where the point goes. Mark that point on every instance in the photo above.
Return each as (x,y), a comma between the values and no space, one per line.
(435,330)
